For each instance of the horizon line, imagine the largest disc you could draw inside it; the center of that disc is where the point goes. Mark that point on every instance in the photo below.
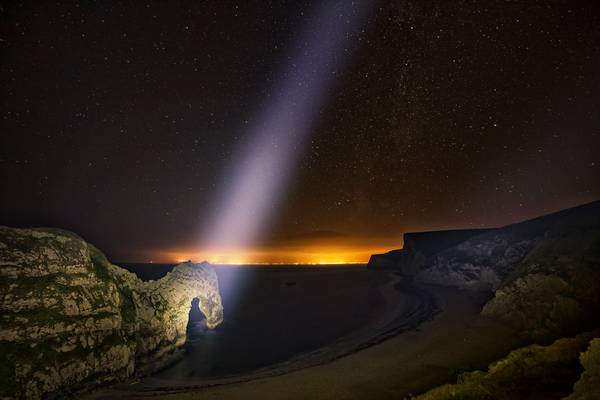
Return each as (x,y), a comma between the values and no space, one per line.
(243,264)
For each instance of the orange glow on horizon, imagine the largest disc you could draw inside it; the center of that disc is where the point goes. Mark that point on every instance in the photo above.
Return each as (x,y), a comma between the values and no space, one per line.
(243,258)
(320,253)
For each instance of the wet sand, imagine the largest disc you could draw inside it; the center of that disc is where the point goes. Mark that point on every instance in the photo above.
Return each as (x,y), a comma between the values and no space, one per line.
(324,315)
(273,314)
(412,359)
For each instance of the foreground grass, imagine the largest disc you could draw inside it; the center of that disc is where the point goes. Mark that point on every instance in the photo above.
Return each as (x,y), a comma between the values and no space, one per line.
(533,372)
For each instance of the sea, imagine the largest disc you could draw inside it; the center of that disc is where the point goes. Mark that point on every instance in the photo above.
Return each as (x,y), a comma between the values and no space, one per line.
(273,313)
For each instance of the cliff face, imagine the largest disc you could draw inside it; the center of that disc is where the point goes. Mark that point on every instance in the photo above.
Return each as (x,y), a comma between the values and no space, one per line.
(544,273)
(543,277)
(72,319)
(418,247)
(471,257)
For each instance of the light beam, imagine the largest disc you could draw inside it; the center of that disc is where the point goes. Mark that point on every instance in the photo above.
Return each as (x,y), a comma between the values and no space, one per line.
(255,181)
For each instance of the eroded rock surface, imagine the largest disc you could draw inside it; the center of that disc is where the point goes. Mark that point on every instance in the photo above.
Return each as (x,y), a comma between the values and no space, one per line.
(542,275)
(542,278)
(491,258)
(71,319)
(419,247)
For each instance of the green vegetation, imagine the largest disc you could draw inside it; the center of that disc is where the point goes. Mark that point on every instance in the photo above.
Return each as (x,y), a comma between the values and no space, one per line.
(553,292)
(41,316)
(588,387)
(534,371)
(38,358)
(99,263)
(102,269)
(30,285)
(540,307)
(128,310)
(71,317)
(7,369)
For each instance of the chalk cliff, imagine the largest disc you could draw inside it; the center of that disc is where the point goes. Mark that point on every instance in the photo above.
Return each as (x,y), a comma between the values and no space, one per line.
(418,247)
(71,319)
(543,274)
(466,257)
(542,277)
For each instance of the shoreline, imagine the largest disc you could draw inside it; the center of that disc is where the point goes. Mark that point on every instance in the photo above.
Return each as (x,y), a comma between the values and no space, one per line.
(391,324)
(407,306)
(407,363)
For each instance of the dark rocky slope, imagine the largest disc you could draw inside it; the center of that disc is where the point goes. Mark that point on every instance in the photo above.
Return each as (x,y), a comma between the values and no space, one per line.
(71,319)
(542,277)
(543,274)
(418,246)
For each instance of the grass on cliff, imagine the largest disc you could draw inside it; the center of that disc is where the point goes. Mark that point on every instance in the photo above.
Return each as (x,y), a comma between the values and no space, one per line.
(99,263)
(101,266)
(553,292)
(570,256)
(44,357)
(588,386)
(8,384)
(39,358)
(534,371)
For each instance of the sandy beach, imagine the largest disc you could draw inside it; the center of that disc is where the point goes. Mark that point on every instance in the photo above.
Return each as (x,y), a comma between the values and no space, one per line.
(422,336)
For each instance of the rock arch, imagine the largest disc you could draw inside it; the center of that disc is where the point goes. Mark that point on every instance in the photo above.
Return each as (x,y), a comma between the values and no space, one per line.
(70,316)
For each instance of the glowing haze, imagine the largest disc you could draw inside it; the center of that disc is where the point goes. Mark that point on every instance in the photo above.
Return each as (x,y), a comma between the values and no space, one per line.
(259,171)
(159,132)
(334,250)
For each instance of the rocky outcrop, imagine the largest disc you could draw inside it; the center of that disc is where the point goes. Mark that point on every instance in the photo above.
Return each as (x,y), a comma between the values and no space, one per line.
(538,306)
(491,258)
(418,247)
(543,279)
(71,319)
(554,289)
(543,275)
(389,260)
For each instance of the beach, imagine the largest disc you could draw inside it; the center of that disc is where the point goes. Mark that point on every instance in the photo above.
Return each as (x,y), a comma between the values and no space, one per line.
(327,332)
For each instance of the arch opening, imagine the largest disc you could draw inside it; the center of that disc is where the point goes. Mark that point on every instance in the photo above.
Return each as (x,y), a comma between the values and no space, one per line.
(196,326)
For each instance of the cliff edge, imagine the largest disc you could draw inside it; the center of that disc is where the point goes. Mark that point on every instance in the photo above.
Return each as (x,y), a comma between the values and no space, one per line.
(71,319)
(542,278)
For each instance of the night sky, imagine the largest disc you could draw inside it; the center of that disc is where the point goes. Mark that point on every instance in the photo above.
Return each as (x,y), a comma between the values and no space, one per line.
(118,121)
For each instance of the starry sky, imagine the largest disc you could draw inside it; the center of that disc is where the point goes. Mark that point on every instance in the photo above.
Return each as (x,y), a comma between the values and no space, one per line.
(119,120)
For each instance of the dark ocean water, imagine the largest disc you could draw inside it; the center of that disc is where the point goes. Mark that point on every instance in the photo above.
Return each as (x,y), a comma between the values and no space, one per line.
(274,313)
